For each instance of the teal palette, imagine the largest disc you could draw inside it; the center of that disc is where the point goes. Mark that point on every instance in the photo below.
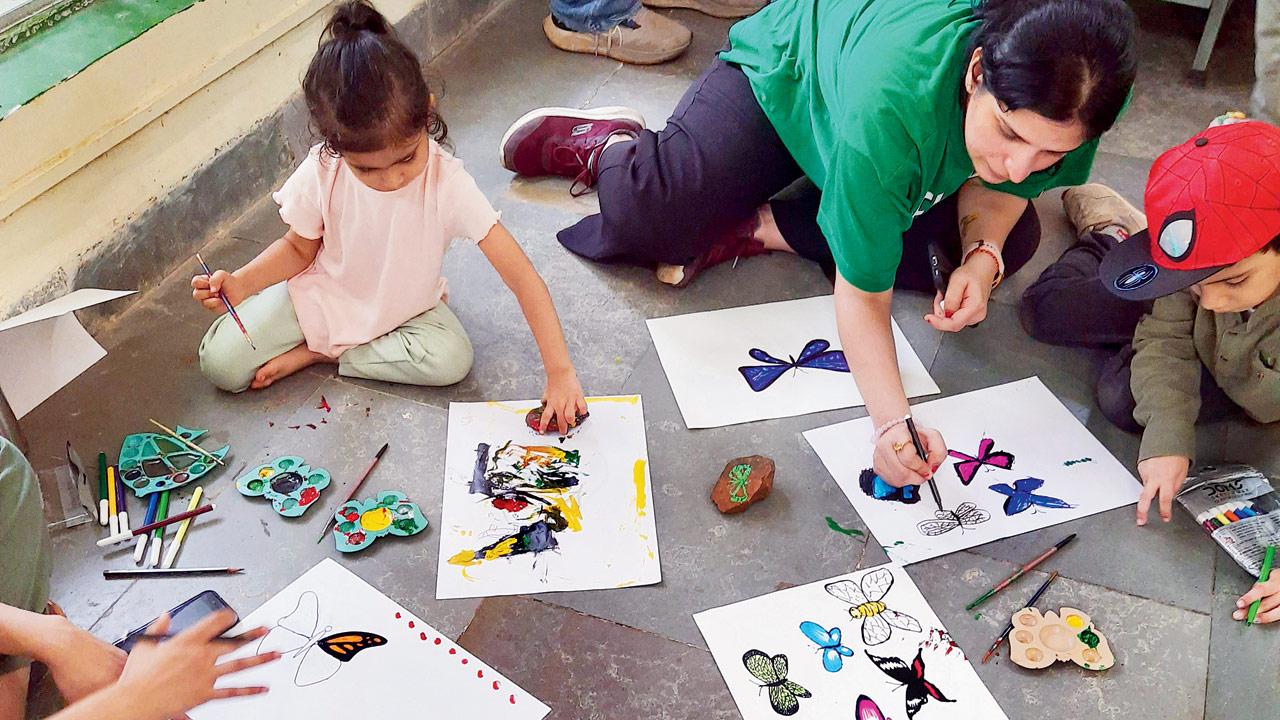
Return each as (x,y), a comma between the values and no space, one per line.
(288,482)
(360,522)
(152,463)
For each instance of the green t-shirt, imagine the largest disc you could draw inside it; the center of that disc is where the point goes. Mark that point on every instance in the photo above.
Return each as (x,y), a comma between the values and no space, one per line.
(866,94)
(24,582)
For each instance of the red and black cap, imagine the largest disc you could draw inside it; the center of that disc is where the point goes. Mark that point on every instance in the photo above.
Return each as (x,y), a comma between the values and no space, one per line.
(1210,202)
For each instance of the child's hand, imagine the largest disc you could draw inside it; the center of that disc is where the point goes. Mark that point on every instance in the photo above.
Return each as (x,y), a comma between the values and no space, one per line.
(205,288)
(564,401)
(80,663)
(1269,609)
(1162,475)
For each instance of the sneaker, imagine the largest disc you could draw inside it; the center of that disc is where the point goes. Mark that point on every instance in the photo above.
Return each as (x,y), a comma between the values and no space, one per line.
(714,8)
(564,141)
(1094,207)
(736,244)
(647,38)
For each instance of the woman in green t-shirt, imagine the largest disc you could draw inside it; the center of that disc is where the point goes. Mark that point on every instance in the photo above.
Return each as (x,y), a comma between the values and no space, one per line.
(921,123)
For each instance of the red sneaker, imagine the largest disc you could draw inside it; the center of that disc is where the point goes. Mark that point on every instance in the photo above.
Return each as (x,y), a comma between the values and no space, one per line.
(739,243)
(564,141)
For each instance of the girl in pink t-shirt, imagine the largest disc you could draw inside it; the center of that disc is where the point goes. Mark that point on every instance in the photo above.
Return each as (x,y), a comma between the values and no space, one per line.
(372,209)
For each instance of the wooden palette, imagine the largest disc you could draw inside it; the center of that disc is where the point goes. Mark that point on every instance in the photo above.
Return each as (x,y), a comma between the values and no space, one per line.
(1038,641)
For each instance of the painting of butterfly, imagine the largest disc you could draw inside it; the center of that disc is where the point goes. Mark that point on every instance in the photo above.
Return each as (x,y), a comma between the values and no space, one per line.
(1022,496)
(873,486)
(967,516)
(867,709)
(816,355)
(867,601)
(318,652)
(771,673)
(833,652)
(967,466)
(919,690)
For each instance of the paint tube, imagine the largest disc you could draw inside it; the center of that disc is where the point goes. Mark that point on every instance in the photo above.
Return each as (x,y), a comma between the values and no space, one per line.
(1238,507)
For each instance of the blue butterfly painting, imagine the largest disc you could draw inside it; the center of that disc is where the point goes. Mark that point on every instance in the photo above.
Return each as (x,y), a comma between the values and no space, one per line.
(1022,496)
(815,355)
(874,486)
(833,652)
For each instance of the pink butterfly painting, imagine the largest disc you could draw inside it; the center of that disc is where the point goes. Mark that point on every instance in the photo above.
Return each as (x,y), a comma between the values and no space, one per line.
(967,466)
(866,709)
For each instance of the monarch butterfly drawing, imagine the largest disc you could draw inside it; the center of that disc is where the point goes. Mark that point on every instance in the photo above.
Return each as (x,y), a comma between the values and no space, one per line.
(296,635)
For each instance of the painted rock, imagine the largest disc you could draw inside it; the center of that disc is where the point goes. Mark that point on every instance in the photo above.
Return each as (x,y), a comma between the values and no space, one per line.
(743,481)
(359,522)
(151,462)
(287,482)
(534,419)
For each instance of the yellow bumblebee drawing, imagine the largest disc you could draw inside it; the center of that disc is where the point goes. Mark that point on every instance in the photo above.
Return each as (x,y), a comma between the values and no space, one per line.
(868,604)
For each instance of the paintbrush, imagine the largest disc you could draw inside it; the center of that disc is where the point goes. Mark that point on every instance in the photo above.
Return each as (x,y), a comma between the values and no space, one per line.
(230,310)
(189,445)
(123,536)
(1009,628)
(1020,571)
(351,493)
(915,440)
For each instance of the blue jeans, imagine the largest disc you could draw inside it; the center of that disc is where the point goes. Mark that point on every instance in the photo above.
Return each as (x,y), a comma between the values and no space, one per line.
(593,15)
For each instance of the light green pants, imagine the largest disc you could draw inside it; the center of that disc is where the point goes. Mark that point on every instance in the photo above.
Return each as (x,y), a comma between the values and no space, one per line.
(430,349)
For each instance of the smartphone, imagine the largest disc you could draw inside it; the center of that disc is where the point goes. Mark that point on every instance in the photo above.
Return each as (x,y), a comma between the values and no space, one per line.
(184,616)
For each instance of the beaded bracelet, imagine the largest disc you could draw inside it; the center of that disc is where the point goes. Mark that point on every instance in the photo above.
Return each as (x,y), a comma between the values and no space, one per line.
(880,431)
(994,252)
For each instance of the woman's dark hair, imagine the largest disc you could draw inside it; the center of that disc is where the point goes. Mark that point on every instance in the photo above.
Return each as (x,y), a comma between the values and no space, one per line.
(364,88)
(1062,59)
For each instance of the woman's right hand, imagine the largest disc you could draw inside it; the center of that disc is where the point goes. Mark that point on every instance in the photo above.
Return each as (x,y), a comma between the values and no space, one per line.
(205,289)
(896,461)
(164,679)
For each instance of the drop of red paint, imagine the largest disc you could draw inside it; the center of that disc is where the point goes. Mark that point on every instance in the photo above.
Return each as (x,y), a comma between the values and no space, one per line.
(512,698)
(479,673)
(397,616)
(422,635)
(410,624)
(453,651)
(437,641)
(495,684)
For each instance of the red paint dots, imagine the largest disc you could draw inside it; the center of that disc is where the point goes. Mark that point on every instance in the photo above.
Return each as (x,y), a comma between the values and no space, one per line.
(453,651)
(397,616)
(464,661)
(495,684)
(512,698)
(479,673)
(437,641)
(422,636)
(410,624)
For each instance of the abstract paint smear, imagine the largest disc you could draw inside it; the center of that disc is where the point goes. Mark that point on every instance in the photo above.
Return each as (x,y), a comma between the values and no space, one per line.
(533,484)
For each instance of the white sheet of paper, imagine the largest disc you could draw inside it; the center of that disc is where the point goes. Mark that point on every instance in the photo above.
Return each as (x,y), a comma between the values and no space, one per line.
(417,672)
(1023,419)
(771,624)
(46,347)
(520,535)
(701,353)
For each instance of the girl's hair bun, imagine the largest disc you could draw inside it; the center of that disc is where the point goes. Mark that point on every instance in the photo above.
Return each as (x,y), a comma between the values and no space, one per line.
(355,16)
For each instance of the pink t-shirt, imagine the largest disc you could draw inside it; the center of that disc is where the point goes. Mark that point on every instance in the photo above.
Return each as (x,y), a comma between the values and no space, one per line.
(381,252)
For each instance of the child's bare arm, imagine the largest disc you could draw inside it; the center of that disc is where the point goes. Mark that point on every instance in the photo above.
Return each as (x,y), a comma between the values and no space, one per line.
(563,395)
(282,259)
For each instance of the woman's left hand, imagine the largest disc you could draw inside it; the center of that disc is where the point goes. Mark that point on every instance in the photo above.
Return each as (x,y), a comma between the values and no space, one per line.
(968,292)
(564,401)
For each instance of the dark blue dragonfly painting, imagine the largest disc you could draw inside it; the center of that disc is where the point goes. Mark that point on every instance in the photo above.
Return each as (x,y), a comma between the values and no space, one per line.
(1022,496)
(816,355)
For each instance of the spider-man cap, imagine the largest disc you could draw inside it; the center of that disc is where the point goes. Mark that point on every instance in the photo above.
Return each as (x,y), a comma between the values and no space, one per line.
(1210,202)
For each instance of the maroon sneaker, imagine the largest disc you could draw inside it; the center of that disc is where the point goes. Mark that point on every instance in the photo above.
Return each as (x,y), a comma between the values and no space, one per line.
(564,141)
(738,243)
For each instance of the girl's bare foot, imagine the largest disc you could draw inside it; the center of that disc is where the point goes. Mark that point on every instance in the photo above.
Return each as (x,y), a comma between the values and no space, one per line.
(286,364)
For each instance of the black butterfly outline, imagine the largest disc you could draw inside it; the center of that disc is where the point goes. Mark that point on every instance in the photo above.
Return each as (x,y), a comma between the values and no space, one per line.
(919,690)
(966,516)
(341,646)
(784,694)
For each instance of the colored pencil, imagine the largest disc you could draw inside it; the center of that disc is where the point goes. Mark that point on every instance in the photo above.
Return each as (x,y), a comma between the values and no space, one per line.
(163,572)
(915,440)
(1263,576)
(157,535)
(113,516)
(1009,628)
(1020,571)
(122,537)
(188,444)
(182,530)
(103,508)
(223,297)
(351,493)
(140,552)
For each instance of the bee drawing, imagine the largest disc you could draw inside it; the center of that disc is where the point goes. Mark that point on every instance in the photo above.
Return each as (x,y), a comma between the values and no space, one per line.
(867,601)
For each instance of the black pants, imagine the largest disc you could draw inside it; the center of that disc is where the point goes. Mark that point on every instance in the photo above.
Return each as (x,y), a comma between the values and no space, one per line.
(1069,305)
(668,196)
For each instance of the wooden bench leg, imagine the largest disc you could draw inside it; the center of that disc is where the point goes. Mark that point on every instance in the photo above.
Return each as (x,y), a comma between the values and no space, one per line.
(1217,11)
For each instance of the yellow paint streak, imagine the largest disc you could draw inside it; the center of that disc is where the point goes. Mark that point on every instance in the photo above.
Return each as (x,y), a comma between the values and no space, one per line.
(502,549)
(569,508)
(638,477)
(626,399)
(465,558)
(542,455)
(513,409)
(376,519)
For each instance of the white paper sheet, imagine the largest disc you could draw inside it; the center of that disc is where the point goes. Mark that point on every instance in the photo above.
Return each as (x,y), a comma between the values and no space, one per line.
(45,348)
(834,679)
(1022,419)
(701,354)
(548,513)
(416,672)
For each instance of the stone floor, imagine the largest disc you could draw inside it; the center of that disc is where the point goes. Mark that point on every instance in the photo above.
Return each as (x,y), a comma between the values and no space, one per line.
(1163,593)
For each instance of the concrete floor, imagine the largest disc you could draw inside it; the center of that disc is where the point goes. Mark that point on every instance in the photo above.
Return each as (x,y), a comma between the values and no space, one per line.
(1164,594)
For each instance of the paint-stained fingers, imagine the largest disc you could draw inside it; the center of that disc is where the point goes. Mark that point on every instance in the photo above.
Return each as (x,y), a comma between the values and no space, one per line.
(222,693)
(234,666)
(548,414)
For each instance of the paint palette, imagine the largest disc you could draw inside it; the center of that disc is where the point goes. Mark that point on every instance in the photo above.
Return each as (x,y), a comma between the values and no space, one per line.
(152,463)
(287,482)
(360,522)
(1038,641)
